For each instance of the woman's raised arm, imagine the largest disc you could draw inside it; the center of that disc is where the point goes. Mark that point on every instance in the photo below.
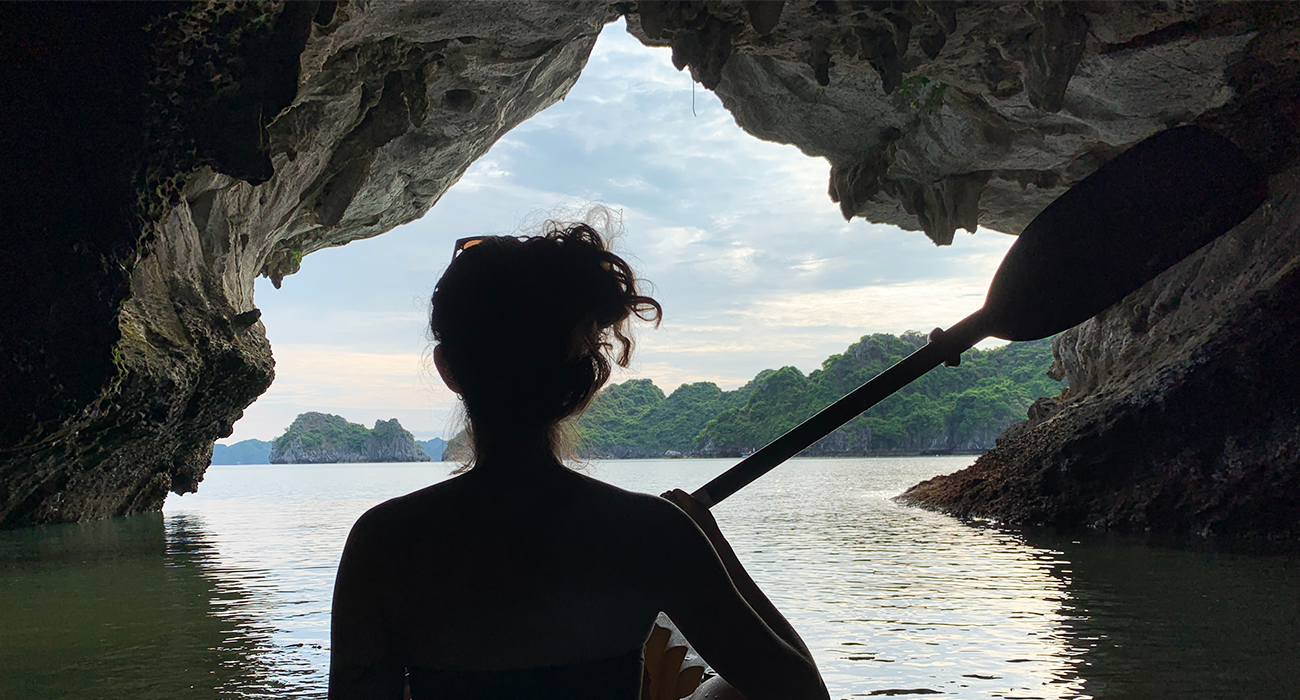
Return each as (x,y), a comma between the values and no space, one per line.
(725,616)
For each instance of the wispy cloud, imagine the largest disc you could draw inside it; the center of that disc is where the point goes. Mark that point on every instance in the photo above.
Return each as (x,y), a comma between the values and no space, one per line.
(753,263)
(361,386)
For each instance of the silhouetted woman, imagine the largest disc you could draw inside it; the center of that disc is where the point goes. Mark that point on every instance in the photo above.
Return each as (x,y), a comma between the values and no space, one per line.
(520,578)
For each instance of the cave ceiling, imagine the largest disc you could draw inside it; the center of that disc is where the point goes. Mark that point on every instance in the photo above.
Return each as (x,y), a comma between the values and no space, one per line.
(162,156)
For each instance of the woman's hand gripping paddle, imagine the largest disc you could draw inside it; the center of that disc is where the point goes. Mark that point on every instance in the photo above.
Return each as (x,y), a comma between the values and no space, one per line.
(1108,235)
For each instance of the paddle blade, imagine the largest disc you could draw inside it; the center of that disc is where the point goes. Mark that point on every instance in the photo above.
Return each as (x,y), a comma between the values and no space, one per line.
(1118,228)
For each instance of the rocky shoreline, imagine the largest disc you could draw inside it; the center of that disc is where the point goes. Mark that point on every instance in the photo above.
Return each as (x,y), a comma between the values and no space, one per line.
(1180,418)
(321,438)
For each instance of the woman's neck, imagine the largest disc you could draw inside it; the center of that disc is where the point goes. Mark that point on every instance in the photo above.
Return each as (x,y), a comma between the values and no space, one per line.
(511,452)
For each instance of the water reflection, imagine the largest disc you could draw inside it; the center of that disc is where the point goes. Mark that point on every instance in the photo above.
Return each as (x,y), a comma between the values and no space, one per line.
(116,609)
(256,665)
(1158,621)
(229,594)
(900,601)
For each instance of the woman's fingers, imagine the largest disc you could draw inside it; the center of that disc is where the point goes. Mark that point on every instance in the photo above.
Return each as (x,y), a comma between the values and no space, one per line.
(695,509)
(683,500)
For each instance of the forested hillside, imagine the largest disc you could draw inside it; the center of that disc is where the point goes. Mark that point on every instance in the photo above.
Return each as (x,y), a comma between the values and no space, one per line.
(949,409)
(323,438)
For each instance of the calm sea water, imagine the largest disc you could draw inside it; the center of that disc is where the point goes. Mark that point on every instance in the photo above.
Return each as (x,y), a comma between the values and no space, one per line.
(226,594)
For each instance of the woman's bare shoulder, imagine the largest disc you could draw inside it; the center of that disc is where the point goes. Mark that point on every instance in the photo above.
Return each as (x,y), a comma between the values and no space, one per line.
(659,521)
(406,510)
(630,502)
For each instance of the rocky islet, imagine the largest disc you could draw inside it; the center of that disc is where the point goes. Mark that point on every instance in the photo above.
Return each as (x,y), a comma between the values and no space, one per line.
(323,438)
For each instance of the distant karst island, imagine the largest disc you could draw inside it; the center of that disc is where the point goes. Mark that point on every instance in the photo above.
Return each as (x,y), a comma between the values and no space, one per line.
(323,438)
(950,410)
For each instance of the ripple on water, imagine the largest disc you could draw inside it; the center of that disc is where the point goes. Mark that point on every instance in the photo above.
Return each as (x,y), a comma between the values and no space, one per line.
(227,594)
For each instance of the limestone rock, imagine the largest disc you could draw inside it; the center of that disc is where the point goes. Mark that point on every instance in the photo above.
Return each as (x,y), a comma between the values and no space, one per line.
(242,452)
(435,448)
(938,116)
(1182,409)
(161,163)
(322,438)
(154,167)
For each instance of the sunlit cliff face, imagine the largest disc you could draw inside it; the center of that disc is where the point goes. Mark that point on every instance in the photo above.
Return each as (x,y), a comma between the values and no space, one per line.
(184,152)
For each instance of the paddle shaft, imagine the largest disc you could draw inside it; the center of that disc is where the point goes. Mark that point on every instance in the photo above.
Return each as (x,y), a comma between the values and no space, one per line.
(947,346)
(1109,234)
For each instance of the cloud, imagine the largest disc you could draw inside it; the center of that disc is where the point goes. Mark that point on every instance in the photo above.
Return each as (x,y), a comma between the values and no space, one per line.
(752,261)
(361,386)
(889,308)
(367,379)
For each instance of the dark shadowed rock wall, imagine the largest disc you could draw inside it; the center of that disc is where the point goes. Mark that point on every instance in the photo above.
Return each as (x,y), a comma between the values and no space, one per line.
(944,115)
(1183,409)
(157,158)
(1180,415)
(160,157)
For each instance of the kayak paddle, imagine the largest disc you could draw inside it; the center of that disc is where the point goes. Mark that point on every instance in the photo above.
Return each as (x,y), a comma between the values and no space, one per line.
(1106,236)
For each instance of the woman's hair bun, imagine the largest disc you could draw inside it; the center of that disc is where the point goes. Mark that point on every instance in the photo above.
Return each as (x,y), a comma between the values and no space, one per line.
(529,325)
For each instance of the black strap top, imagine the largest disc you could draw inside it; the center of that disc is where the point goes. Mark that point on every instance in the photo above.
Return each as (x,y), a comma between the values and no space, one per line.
(613,678)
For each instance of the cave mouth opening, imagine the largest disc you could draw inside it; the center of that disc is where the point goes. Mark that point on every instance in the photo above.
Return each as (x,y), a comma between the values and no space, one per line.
(233,141)
(131,339)
(757,266)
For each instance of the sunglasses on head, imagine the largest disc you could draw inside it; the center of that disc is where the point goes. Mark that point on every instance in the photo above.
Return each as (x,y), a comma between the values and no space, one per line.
(465,243)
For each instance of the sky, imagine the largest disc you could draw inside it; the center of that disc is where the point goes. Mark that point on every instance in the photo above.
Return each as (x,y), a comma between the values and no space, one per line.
(752,262)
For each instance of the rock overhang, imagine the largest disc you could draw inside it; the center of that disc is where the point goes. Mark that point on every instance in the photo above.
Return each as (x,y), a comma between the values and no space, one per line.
(933,116)
(940,116)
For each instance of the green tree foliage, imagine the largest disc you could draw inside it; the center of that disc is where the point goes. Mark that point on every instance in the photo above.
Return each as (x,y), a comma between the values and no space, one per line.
(675,422)
(315,431)
(322,437)
(635,419)
(387,430)
(949,408)
(617,417)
